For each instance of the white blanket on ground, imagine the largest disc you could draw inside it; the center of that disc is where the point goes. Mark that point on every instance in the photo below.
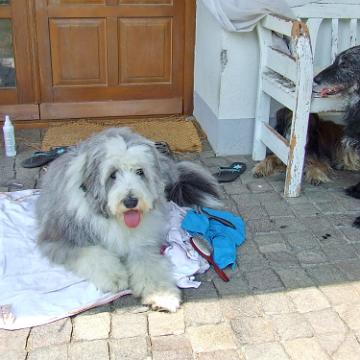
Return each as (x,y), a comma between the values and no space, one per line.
(34,291)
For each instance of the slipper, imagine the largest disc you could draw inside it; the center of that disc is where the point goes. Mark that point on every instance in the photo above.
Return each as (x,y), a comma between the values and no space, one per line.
(230,173)
(41,158)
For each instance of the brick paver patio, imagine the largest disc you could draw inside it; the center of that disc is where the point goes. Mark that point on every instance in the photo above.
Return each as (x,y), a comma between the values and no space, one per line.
(295,294)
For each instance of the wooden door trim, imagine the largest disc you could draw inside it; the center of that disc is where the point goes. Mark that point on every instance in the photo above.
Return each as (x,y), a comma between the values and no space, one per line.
(23,52)
(189,56)
(5,12)
(109,11)
(111,108)
(20,111)
(24,91)
(112,51)
(8,96)
(43,50)
(34,51)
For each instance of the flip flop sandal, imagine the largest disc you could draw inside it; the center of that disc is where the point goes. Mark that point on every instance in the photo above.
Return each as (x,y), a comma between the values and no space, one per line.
(230,173)
(41,158)
(163,147)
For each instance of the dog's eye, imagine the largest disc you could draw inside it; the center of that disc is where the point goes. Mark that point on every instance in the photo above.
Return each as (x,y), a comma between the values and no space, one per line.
(140,172)
(113,175)
(344,61)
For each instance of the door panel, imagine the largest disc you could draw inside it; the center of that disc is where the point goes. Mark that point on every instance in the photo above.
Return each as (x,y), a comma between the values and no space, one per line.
(142,39)
(92,50)
(78,52)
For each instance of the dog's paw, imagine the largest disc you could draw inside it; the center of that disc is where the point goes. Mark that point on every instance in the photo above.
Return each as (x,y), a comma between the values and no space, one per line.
(111,279)
(356,223)
(167,300)
(315,182)
(260,170)
(316,177)
(102,268)
(353,191)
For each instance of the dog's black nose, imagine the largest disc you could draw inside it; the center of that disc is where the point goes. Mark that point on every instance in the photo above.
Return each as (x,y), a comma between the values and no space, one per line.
(130,202)
(317,79)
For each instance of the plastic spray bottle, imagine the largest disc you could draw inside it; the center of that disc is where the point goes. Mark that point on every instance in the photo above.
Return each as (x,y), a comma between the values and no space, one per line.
(9,137)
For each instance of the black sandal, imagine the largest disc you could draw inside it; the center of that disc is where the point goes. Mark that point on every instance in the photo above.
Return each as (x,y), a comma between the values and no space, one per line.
(230,173)
(41,158)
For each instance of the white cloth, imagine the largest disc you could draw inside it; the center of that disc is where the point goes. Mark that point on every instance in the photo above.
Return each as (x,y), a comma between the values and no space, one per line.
(32,290)
(242,15)
(185,260)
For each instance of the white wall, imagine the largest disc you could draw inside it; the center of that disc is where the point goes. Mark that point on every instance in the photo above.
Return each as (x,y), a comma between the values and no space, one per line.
(209,37)
(226,88)
(240,76)
(225,84)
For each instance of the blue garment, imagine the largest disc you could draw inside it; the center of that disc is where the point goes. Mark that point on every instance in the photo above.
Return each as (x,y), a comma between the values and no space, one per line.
(222,238)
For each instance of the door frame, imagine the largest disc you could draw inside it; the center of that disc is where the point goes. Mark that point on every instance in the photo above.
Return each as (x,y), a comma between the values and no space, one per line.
(189,51)
(20,102)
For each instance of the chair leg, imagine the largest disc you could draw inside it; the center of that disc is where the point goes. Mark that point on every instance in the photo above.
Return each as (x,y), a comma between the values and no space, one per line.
(262,116)
(300,118)
(295,166)
(262,111)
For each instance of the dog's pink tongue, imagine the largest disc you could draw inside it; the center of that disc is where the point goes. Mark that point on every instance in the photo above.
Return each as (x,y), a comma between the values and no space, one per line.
(132,218)
(325,92)
(330,91)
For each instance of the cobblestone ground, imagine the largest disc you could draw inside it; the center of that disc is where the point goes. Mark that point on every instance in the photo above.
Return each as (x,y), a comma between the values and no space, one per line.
(294,295)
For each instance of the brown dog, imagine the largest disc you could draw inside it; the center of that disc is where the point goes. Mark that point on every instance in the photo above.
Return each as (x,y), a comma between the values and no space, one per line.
(324,150)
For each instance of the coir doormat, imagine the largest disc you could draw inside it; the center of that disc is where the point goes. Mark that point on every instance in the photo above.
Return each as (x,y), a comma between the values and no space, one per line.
(180,133)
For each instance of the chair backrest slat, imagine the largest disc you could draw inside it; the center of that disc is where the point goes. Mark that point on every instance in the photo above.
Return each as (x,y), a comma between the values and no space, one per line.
(342,16)
(314,26)
(334,38)
(341,38)
(353,32)
(339,9)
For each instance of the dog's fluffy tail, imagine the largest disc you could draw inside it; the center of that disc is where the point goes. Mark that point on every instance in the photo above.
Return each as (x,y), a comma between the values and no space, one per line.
(194,186)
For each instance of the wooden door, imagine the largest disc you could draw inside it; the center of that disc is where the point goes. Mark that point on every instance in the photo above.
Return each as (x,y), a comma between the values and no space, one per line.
(114,57)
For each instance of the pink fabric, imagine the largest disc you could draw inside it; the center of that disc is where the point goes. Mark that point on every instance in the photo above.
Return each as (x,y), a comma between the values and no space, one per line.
(186,261)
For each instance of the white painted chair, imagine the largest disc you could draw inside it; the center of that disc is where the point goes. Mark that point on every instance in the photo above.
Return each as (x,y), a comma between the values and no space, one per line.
(287,78)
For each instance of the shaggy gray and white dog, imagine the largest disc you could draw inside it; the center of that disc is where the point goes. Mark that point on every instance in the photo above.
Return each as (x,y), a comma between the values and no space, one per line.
(103,213)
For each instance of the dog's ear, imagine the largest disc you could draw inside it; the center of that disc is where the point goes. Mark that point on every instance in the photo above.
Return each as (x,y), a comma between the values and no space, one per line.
(91,185)
(160,168)
(314,123)
(313,135)
(315,117)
